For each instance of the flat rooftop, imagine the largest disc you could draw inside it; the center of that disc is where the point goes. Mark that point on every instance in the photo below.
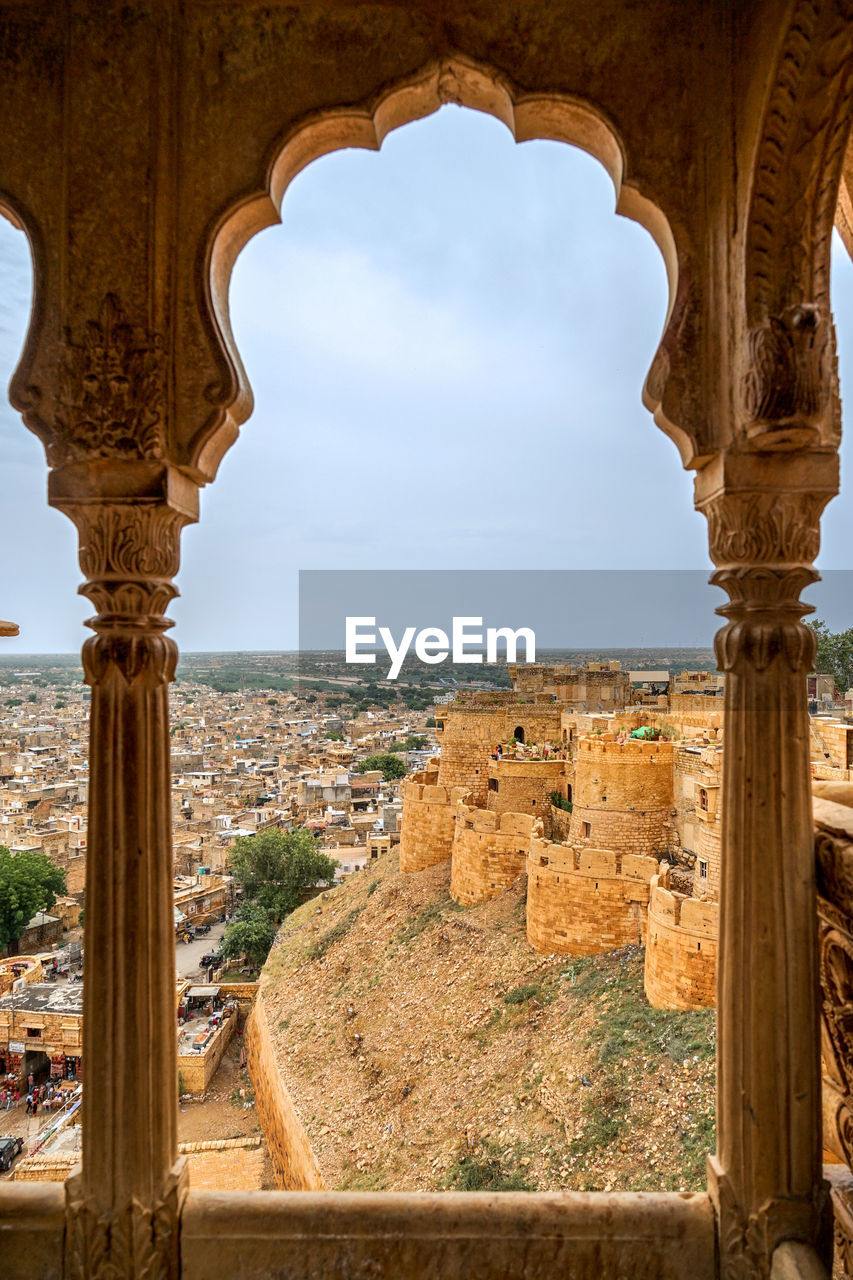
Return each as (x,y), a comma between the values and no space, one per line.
(46,997)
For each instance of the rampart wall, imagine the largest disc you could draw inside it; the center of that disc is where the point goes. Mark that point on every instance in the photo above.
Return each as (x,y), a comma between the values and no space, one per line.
(489,852)
(585,901)
(698,708)
(623,796)
(681,949)
(293,1161)
(427,828)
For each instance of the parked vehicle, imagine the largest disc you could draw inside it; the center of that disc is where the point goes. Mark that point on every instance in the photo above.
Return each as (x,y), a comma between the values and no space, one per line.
(213,958)
(9,1148)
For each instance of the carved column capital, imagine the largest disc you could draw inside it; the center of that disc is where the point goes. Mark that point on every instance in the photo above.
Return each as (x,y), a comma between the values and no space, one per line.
(764,538)
(130,530)
(129,555)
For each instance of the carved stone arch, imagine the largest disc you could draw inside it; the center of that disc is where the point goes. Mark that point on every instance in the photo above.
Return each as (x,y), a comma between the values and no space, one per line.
(844,208)
(790,390)
(453,79)
(22,396)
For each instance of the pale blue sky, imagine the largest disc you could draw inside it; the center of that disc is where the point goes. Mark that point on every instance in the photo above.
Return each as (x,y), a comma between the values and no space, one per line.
(447,342)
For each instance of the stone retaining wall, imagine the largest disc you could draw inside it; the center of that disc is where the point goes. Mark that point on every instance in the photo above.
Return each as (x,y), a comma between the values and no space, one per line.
(293,1161)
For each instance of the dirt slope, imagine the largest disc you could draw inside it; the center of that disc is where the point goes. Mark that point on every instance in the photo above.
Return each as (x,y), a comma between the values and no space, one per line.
(426,1046)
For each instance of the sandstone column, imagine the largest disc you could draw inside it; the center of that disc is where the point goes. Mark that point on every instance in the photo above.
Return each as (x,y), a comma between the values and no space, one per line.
(763,515)
(124,1207)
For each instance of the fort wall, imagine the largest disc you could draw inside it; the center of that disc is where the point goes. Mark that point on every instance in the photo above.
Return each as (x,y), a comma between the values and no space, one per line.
(706,873)
(681,949)
(489,852)
(584,901)
(293,1161)
(561,821)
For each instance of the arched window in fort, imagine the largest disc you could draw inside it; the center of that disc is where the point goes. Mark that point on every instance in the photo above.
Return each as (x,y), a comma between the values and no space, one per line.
(518,733)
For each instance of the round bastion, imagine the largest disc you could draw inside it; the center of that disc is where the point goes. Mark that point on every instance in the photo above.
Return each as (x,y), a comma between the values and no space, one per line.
(623,795)
(426,836)
(584,901)
(681,949)
(489,852)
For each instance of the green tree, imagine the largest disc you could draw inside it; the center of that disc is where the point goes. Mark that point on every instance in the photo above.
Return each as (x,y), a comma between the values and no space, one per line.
(276,867)
(334,736)
(834,654)
(251,934)
(29,882)
(391,766)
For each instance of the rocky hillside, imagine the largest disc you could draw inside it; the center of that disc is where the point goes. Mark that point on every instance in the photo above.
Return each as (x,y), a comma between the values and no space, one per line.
(428,1046)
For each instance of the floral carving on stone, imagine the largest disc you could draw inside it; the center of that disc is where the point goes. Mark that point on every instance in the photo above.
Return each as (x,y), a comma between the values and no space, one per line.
(111,400)
(139,1244)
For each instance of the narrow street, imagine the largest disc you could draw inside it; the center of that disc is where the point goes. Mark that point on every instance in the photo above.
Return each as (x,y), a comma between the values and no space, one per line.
(188,954)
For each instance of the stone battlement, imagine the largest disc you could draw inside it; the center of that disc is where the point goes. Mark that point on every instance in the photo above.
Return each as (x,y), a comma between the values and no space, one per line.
(681,951)
(429,792)
(605,747)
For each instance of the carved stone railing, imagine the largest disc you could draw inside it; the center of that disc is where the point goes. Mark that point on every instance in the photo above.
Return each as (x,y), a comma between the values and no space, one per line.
(834,853)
